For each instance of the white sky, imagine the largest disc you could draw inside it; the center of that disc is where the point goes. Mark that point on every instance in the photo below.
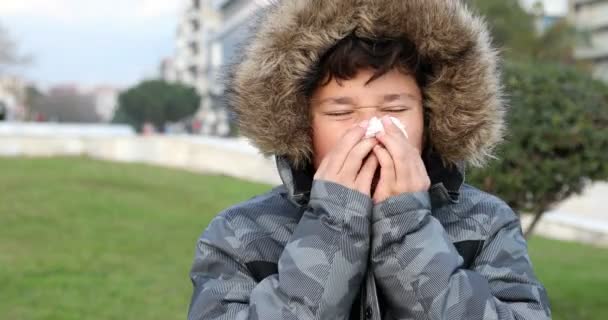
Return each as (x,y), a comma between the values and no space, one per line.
(70,11)
(115,42)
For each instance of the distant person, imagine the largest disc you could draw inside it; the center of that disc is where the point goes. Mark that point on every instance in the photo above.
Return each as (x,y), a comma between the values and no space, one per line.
(368,223)
(148,129)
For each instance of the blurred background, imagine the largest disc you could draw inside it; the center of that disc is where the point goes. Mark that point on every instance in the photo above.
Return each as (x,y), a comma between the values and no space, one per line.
(116,149)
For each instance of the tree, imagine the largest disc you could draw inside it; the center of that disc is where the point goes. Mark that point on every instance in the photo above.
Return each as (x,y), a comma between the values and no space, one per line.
(514,31)
(511,26)
(63,105)
(557,140)
(157,102)
(9,55)
(552,149)
(557,43)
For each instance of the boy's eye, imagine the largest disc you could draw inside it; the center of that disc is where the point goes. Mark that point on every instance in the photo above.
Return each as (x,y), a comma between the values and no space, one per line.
(401,109)
(342,113)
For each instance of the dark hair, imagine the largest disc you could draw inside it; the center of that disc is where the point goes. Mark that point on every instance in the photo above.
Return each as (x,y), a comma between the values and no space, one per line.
(353,53)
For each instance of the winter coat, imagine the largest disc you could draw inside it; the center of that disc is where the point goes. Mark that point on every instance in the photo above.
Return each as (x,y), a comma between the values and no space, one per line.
(314,249)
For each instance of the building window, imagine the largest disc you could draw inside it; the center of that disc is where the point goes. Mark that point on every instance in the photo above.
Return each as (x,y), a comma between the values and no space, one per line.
(194,49)
(232,40)
(195,25)
(193,71)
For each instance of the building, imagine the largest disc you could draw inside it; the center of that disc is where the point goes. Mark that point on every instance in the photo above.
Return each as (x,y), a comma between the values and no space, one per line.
(167,70)
(106,101)
(222,42)
(592,16)
(186,62)
(12,98)
(192,59)
(207,39)
(236,17)
(544,16)
(191,55)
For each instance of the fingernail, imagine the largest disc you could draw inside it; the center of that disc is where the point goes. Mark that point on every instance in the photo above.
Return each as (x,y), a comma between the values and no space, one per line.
(364,124)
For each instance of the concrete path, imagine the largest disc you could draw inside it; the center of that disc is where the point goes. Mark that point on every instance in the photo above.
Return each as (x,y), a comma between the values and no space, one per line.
(582,218)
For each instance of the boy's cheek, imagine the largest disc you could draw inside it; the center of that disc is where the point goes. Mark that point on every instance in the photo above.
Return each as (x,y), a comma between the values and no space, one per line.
(321,147)
(325,137)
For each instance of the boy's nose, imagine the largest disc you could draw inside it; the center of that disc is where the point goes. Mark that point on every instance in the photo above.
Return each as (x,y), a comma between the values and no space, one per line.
(366,113)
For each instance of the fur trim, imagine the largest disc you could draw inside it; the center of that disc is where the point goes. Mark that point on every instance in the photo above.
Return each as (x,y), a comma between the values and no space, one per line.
(463,94)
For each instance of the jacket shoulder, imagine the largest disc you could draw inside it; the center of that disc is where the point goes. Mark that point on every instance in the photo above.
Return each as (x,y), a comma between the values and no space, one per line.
(489,210)
(252,228)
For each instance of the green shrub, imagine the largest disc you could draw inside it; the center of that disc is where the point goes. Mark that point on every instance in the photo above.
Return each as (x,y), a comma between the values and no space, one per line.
(157,102)
(557,139)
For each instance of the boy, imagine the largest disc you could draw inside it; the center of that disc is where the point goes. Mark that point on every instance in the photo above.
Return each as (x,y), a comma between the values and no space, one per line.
(379,227)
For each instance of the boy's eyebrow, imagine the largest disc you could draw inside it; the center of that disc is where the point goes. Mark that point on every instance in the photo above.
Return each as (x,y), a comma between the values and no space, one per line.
(386,98)
(397,96)
(338,100)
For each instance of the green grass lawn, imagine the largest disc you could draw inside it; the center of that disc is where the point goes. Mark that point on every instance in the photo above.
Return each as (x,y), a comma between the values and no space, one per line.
(85,239)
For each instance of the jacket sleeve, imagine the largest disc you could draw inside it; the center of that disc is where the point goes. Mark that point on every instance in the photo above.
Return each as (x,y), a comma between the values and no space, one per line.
(319,271)
(413,257)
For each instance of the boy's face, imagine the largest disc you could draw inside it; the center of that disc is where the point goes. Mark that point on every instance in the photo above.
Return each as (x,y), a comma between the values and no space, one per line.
(335,108)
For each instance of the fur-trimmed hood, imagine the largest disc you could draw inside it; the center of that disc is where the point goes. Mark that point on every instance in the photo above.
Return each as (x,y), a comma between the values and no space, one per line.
(463,94)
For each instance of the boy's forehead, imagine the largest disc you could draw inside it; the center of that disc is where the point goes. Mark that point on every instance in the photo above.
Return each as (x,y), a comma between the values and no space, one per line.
(348,99)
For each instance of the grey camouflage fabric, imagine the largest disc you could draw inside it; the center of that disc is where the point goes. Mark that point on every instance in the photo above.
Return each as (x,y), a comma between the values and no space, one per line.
(318,250)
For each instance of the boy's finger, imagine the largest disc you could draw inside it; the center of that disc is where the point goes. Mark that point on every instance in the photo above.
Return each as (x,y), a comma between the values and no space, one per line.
(364,179)
(405,157)
(355,158)
(396,147)
(392,128)
(399,149)
(345,144)
(387,166)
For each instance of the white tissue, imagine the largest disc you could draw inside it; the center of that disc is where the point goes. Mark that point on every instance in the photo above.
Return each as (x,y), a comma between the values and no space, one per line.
(399,125)
(375,126)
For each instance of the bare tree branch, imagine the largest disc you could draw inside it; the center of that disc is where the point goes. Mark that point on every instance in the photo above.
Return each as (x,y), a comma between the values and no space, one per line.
(9,53)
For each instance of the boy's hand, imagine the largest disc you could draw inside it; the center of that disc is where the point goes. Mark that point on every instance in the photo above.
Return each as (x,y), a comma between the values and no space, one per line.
(351,162)
(402,169)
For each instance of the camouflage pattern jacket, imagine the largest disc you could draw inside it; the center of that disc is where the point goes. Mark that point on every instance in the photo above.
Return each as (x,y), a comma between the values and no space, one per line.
(318,250)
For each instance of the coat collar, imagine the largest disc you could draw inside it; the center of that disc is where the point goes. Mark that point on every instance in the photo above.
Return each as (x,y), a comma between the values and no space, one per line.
(445,180)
